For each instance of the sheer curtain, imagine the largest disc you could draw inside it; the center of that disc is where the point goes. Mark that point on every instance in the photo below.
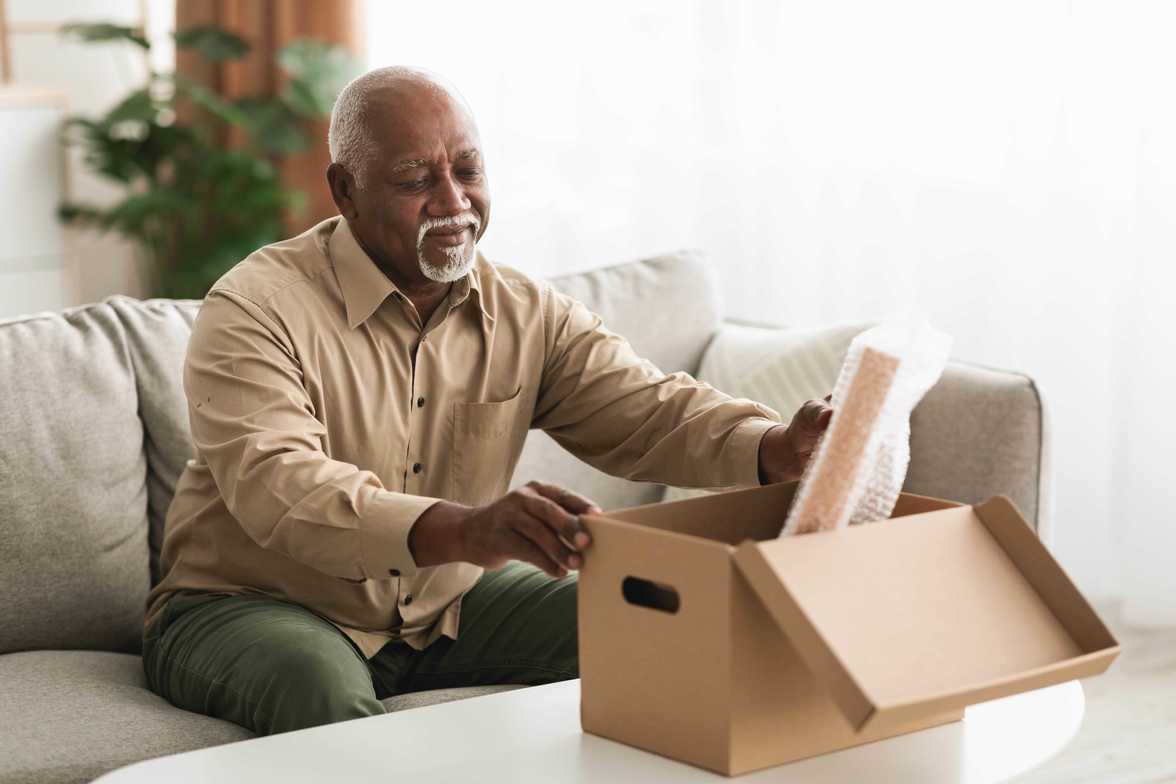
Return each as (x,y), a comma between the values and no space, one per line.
(1004,168)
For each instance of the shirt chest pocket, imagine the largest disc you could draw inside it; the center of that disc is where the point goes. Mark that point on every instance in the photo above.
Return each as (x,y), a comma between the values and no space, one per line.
(488,438)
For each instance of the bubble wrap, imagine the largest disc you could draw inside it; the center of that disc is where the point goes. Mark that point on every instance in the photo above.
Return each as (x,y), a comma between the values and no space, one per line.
(858,467)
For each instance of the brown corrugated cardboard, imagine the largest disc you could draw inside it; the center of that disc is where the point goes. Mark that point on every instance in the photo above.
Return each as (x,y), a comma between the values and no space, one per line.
(706,639)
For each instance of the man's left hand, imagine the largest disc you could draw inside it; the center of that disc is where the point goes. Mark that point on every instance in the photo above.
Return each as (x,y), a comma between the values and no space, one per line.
(785,451)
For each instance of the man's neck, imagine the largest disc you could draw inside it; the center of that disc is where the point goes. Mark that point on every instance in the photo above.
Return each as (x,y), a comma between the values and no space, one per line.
(426,304)
(425,295)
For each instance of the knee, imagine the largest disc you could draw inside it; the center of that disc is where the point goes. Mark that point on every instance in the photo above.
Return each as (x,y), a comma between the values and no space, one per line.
(313,687)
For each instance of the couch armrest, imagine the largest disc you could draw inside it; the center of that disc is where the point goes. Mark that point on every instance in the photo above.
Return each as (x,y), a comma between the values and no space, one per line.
(981,432)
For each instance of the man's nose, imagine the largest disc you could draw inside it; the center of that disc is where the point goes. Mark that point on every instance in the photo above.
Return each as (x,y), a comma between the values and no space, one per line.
(448,198)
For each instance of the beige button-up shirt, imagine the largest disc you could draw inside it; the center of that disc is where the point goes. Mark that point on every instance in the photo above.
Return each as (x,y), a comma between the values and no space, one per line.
(326,418)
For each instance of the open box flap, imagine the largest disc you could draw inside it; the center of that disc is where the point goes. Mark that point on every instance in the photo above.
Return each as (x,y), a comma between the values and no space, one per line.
(929,612)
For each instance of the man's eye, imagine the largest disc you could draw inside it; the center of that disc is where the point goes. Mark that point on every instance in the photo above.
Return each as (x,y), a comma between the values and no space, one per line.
(470,174)
(414,185)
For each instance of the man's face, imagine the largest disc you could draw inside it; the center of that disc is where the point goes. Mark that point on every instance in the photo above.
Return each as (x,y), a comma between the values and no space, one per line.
(424,201)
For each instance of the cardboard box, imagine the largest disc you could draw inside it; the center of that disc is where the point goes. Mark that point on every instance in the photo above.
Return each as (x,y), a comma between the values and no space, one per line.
(706,639)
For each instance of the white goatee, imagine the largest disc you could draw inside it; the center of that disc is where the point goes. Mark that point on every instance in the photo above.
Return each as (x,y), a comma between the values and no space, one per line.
(459,259)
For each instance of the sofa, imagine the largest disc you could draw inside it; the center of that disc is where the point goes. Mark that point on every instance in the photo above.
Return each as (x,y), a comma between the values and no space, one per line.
(95,433)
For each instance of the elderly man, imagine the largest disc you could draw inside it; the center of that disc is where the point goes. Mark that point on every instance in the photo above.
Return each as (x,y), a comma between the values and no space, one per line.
(359,396)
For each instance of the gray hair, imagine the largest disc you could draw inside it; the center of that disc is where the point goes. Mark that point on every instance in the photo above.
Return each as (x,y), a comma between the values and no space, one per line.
(349,137)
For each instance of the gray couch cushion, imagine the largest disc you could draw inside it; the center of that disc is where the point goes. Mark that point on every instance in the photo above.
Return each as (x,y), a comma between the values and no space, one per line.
(668,307)
(73,504)
(980,433)
(157,333)
(420,699)
(70,716)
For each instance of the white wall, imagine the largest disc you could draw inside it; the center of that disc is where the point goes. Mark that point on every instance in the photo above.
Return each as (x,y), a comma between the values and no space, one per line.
(1007,168)
(94,77)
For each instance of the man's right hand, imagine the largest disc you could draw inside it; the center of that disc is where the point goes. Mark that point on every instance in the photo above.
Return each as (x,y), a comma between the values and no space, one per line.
(535,523)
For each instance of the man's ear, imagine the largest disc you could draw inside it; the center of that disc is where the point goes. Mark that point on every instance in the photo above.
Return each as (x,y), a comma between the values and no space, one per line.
(342,186)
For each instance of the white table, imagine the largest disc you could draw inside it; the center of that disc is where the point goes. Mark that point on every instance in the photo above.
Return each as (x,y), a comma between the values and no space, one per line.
(533,735)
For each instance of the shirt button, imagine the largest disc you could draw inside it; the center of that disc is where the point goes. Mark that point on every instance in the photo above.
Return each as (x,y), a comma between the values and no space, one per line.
(417,468)
(407,599)
(394,572)
(420,402)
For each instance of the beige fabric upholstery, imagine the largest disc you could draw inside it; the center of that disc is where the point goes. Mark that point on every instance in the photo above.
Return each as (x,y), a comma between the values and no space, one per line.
(157,333)
(73,503)
(981,432)
(419,699)
(70,716)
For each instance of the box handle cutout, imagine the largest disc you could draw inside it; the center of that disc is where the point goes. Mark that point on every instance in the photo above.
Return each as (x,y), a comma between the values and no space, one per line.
(646,593)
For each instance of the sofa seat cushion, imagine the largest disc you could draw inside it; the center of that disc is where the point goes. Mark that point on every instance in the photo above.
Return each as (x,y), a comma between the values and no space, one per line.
(420,699)
(70,716)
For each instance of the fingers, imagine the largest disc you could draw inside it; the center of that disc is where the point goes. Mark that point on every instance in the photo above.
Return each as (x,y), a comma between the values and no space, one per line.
(541,533)
(537,523)
(573,502)
(559,506)
(814,416)
(533,554)
(563,524)
(809,423)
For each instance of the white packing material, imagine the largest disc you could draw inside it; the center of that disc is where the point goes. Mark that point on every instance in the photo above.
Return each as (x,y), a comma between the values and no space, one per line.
(859,465)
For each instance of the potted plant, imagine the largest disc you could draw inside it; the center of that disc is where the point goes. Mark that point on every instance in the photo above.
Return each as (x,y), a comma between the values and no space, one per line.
(194,205)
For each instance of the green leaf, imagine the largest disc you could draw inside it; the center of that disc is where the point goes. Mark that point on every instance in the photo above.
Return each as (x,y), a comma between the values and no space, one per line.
(80,214)
(101,31)
(212,43)
(133,213)
(273,128)
(318,73)
(139,106)
(211,102)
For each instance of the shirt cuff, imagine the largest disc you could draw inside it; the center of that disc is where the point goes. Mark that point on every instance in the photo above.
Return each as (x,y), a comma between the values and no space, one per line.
(744,446)
(388,518)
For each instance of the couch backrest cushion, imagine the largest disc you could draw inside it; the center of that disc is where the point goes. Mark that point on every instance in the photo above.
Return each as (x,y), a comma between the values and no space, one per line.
(157,333)
(669,309)
(73,502)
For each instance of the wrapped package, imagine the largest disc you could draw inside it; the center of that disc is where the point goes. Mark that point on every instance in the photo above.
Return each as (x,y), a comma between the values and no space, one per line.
(858,467)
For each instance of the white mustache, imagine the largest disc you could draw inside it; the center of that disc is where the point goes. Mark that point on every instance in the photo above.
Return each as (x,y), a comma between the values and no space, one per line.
(468,219)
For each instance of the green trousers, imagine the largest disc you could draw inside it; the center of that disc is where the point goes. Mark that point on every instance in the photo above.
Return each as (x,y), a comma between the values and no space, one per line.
(273,666)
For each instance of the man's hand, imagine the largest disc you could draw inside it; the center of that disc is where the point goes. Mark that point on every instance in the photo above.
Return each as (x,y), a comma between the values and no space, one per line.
(785,451)
(535,523)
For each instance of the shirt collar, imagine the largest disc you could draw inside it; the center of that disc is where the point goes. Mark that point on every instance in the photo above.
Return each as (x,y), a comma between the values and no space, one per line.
(365,287)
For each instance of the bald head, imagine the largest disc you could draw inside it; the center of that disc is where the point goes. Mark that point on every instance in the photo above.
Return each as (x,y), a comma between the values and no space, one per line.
(367,104)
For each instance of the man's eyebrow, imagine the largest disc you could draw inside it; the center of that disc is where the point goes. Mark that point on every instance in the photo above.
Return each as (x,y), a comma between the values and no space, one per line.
(470,153)
(413,163)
